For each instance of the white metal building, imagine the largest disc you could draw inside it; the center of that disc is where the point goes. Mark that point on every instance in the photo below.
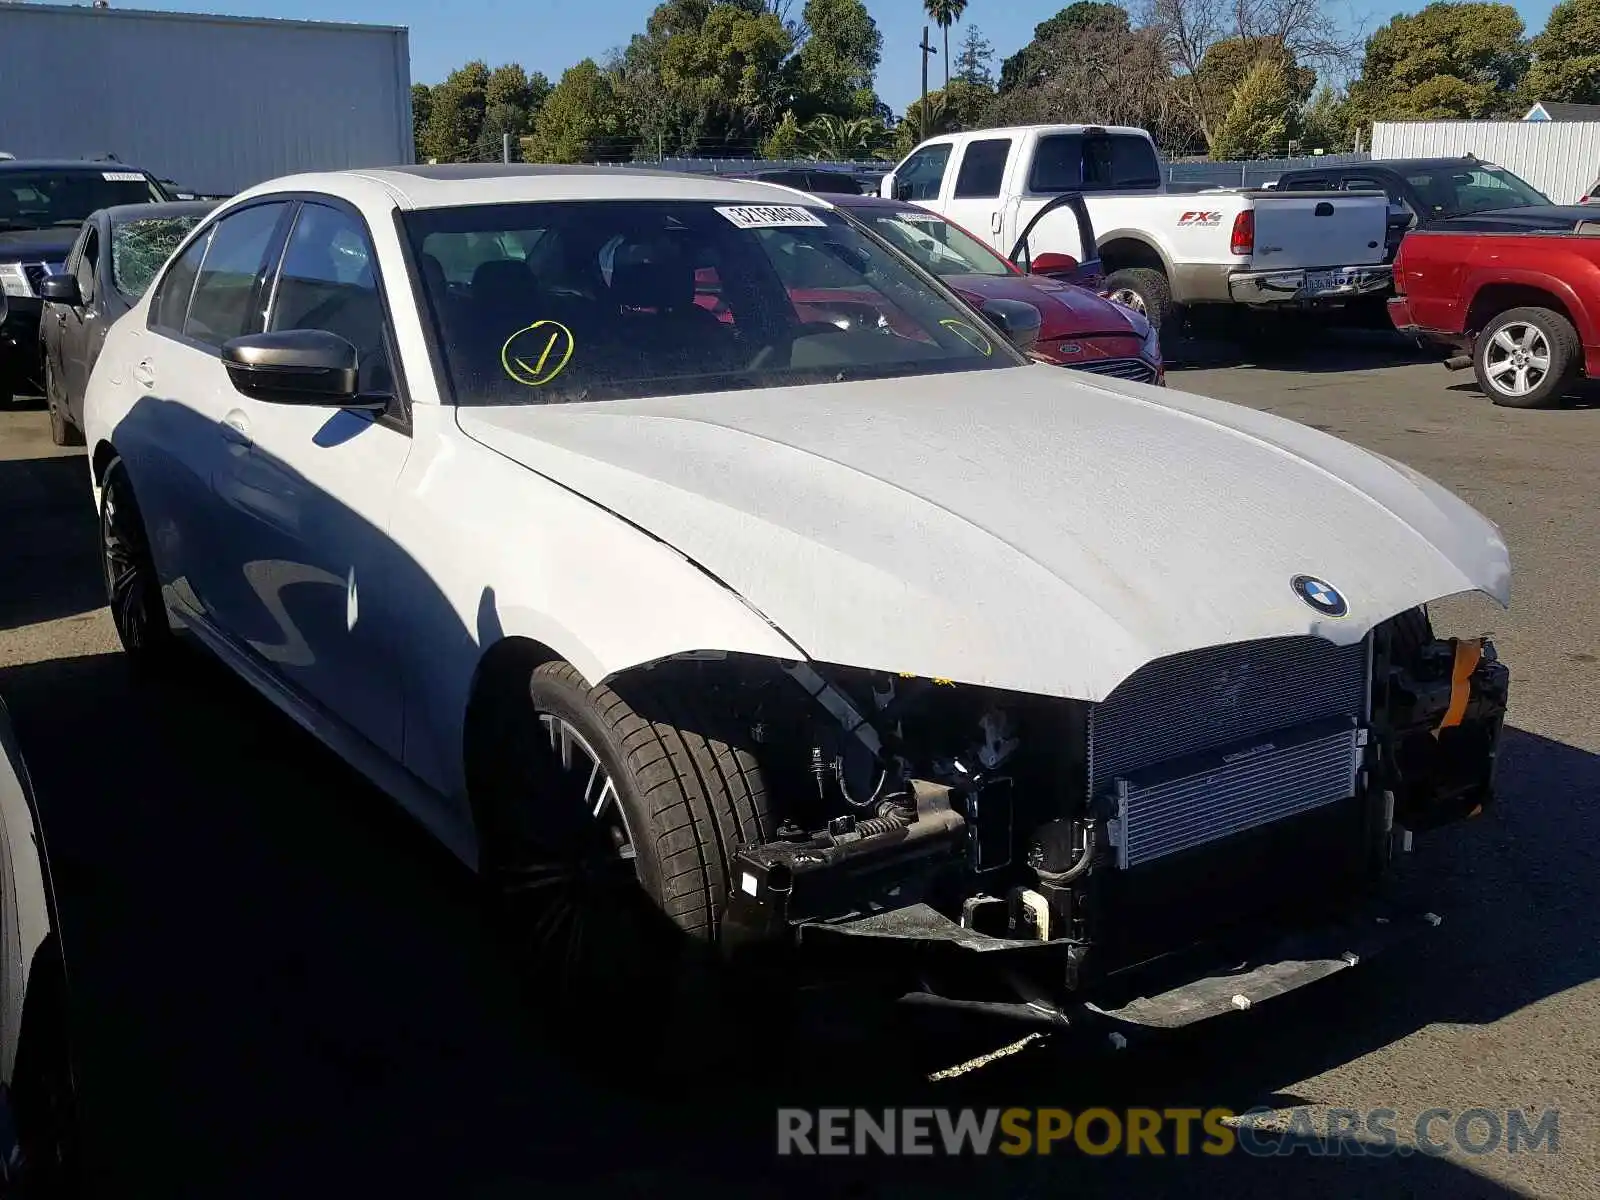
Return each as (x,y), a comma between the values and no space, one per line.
(1560,158)
(215,103)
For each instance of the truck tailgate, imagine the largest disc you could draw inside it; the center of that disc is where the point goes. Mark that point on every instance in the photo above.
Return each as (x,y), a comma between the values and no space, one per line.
(1319,229)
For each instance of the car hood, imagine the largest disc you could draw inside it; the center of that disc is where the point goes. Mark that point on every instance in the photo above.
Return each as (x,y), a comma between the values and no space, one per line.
(1030,529)
(1064,310)
(36,245)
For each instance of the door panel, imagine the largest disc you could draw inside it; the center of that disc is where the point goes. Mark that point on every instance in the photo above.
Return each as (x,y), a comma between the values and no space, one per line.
(308,497)
(76,324)
(974,201)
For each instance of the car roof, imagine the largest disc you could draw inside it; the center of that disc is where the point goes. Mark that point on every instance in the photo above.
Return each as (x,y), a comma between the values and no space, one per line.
(1397,165)
(175,208)
(459,184)
(66,164)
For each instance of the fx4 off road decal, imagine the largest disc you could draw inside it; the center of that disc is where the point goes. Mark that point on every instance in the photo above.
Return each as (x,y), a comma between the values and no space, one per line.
(1200,218)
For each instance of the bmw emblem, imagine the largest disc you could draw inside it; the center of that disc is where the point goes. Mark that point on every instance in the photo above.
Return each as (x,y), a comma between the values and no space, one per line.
(1320,595)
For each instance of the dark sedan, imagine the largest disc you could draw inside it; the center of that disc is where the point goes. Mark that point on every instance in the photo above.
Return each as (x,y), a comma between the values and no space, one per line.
(117,253)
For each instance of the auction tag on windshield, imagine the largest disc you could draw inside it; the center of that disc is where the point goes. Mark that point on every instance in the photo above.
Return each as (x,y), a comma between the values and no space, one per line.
(771,216)
(122,176)
(919,218)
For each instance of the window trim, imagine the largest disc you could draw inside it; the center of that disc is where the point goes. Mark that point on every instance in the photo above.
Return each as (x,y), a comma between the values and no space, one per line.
(949,145)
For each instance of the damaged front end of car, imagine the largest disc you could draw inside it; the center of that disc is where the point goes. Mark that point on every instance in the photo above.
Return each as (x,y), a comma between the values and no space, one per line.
(1214,832)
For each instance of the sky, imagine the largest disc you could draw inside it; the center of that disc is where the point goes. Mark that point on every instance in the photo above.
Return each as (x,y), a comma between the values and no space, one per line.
(551,35)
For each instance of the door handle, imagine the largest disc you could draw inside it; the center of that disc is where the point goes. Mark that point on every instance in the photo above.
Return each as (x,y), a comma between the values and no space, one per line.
(145,373)
(994,222)
(236,429)
(61,317)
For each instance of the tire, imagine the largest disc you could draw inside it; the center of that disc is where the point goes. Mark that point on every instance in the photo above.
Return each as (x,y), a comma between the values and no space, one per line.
(682,795)
(43,1091)
(62,431)
(1507,355)
(1144,290)
(133,590)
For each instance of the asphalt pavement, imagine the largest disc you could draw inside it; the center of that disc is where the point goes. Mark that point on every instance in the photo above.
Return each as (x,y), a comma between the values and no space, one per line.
(281,985)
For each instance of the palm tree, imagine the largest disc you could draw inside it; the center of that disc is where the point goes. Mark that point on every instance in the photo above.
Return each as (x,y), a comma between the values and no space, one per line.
(945,13)
(844,138)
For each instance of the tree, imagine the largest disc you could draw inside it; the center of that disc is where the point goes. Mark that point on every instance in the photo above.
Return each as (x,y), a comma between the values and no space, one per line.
(1088,64)
(1325,122)
(580,120)
(1213,45)
(845,138)
(786,139)
(512,99)
(922,122)
(832,71)
(945,13)
(1260,118)
(1566,63)
(421,109)
(974,65)
(1449,60)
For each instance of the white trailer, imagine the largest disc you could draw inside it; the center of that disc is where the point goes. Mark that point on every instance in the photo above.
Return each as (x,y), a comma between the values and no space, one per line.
(1560,158)
(214,103)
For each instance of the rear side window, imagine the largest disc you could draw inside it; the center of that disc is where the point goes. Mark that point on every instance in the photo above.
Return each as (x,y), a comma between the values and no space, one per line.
(170,304)
(983,168)
(223,303)
(1068,162)
(1306,183)
(923,172)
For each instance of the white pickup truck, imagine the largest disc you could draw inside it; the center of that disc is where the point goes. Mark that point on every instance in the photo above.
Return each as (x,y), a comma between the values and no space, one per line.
(1159,249)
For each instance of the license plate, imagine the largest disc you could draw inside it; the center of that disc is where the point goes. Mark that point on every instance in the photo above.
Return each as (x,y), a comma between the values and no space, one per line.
(1318,282)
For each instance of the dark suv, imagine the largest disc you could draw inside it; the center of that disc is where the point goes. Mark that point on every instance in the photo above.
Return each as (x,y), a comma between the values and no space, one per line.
(42,206)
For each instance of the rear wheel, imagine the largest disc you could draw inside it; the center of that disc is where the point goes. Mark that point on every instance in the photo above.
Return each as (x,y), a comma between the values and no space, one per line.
(1143,289)
(607,823)
(133,589)
(62,431)
(1527,357)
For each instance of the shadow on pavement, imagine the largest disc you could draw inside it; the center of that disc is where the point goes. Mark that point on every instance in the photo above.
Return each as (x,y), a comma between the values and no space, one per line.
(47,541)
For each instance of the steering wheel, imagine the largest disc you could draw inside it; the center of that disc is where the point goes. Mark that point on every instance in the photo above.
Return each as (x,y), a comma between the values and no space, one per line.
(764,355)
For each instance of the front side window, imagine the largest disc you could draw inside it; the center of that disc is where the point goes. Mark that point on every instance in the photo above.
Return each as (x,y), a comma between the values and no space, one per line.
(327,282)
(1453,193)
(170,305)
(935,244)
(139,247)
(623,299)
(224,303)
(63,197)
(923,172)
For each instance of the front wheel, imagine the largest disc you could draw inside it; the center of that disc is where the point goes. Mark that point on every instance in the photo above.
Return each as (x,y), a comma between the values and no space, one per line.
(1527,357)
(608,819)
(133,589)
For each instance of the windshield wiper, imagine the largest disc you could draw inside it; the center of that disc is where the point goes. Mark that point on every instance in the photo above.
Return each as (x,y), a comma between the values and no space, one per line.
(72,223)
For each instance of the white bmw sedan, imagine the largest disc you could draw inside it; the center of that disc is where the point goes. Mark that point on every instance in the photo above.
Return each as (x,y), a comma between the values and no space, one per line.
(705,573)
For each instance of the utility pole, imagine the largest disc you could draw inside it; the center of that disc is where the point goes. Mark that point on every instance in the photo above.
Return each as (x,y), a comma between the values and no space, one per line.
(927,49)
(505,147)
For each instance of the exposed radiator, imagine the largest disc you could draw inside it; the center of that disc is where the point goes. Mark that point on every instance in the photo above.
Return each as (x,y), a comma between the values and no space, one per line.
(1179,806)
(1153,741)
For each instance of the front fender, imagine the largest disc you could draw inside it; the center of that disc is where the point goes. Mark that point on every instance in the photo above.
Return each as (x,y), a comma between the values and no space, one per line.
(507,553)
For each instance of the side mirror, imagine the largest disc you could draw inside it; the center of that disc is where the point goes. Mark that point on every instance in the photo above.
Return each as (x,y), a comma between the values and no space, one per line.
(60,289)
(297,366)
(1053,264)
(902,190)
(1016,319)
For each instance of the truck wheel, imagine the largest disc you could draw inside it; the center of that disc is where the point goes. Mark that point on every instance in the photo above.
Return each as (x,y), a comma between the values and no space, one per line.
(1144,290)
(133,590)
(607,826)
(62,431)
(1527,357)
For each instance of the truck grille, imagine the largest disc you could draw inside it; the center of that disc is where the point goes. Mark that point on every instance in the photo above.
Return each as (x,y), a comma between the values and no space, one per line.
(1154,743)
(1135,369)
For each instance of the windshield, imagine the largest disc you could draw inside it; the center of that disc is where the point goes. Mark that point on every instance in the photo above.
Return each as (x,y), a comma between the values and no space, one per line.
(541,303)
(38,199)
(1455,192)
(935,243)
(139,248)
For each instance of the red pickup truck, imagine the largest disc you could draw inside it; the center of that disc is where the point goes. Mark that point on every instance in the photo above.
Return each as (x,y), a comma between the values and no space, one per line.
(1516,294)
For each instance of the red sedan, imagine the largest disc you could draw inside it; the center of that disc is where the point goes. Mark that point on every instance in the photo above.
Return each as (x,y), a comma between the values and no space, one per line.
(1078,328)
